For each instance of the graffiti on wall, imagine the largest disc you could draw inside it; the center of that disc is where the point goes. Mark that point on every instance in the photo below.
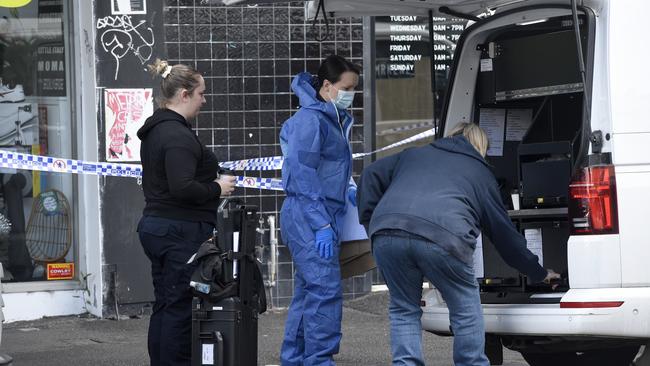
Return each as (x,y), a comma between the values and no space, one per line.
(121,38)
(125,111)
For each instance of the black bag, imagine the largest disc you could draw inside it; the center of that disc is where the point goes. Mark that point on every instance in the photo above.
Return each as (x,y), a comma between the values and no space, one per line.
(209,280)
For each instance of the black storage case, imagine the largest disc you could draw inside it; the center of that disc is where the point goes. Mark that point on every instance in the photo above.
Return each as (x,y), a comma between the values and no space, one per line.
(496,273)
(555,234)
(225,333)
(226,330)
(545,174)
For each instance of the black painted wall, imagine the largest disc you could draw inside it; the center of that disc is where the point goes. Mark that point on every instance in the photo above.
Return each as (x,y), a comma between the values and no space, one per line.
(122,45)
(248,56)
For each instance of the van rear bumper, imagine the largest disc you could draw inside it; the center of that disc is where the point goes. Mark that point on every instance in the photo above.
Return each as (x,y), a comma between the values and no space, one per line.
(629,320)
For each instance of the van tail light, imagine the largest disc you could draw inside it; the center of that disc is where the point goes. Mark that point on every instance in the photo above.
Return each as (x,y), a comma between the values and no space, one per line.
(590,304)
(592,201)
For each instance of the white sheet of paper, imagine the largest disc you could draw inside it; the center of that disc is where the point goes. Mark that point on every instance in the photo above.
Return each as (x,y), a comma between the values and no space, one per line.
(518,122)
(235,248)
(486,64)
(493,121)
(207,354)
(534,243)
(479,271)
(350,227)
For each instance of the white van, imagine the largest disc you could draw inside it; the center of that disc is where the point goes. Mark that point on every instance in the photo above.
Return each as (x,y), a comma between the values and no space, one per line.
(590,227)
(571,144)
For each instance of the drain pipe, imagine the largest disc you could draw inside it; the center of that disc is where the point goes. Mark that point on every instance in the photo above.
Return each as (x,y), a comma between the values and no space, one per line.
(273,263)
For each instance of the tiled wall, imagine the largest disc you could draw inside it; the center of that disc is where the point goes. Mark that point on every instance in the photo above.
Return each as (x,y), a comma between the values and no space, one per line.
(247,56)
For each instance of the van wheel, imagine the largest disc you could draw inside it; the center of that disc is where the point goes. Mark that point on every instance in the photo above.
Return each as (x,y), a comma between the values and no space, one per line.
(622,356)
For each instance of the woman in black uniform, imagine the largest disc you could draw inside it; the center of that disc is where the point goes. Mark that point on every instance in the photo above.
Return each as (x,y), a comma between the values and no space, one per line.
(182,190)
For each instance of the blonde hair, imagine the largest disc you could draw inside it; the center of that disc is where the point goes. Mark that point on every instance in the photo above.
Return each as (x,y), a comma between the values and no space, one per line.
(474,134)
(174,78)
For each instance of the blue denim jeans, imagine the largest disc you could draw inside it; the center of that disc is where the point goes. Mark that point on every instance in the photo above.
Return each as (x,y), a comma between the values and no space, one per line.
(404,260)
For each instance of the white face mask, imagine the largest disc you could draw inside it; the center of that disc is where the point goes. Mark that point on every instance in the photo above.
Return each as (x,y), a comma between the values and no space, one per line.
(343,98)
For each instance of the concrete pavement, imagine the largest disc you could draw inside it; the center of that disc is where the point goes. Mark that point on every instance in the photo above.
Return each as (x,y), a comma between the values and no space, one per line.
(89,341)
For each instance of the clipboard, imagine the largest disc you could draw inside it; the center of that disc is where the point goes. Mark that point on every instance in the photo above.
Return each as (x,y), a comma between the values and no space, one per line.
(351,229)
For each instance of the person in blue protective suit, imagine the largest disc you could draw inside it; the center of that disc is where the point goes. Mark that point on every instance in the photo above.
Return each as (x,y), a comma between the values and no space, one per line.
(316,176)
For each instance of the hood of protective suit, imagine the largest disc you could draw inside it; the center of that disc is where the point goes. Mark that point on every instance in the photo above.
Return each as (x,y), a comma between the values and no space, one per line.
(305,86)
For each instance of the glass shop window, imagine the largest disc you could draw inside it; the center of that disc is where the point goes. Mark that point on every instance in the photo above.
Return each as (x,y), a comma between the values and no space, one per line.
(407,98)
(37,239)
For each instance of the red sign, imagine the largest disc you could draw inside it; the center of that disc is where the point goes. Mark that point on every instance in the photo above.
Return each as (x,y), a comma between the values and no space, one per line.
(60,271)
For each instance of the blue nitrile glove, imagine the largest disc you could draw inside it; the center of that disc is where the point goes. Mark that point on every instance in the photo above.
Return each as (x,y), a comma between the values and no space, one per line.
(352,195)
(325,242)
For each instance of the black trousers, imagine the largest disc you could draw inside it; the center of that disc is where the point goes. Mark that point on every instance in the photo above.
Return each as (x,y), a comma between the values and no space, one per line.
(169,244)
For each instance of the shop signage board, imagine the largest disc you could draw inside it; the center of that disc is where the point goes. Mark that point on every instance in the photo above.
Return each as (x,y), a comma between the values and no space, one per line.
(51,69)
(402,42)
(50,51)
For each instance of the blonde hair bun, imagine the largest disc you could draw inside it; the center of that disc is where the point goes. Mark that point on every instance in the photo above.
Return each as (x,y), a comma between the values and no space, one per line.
(159,67)
(474,134)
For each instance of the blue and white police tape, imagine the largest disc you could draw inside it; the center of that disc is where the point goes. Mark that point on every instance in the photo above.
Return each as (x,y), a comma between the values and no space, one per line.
(419,136)
(275,162)
(15,160)
(413,126)
(270,163)
(272,184)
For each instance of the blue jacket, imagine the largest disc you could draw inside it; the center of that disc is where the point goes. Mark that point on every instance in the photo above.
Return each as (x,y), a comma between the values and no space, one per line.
(317,158)
(446,193)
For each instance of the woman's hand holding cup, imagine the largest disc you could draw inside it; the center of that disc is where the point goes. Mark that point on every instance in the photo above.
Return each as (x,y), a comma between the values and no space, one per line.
(227,183)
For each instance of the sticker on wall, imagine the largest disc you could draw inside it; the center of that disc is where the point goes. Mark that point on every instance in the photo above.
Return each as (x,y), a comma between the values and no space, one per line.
(128,7)
(50,203)
(60,271)
(125,112)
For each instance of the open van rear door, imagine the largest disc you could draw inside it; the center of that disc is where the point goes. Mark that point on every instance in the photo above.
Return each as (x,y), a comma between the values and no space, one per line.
(392,7)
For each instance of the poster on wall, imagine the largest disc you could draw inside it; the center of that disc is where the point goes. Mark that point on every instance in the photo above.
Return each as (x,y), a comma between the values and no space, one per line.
(50,69)
(128,7)
(125,112)
(50,50)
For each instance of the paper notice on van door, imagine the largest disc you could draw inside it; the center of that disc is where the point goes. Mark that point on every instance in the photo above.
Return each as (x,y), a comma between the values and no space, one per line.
(493,121)
(478,258)
(534,243)
(518,122)
(486,64)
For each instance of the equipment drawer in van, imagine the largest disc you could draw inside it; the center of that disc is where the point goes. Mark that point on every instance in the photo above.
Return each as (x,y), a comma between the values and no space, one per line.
(545,236)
